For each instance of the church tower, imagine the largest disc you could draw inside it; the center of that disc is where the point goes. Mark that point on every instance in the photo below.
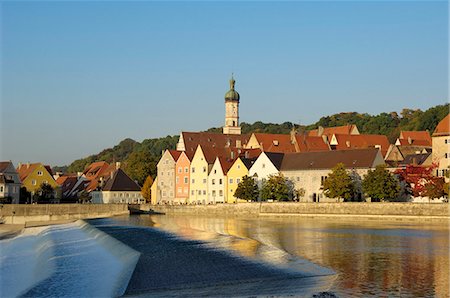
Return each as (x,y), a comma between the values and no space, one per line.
(232,111)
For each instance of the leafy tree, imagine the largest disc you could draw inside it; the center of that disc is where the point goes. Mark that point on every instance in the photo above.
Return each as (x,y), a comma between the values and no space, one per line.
(434,188)
(247,189)
(25,195)
(140,165)
(44,193)
(339,184)
(299,193)
(147,189)
(277,188)
(417,178)
(381,185)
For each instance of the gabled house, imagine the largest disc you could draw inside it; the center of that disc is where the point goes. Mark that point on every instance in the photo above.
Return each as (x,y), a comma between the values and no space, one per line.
(284,143)
(239,169)
(200,165)
(217,180)
(34,175)
(267,163)
(9,183)
(309,170)
(441,146)
(182,177)
(166,176)
(397,155)
(119,188)
(67,183)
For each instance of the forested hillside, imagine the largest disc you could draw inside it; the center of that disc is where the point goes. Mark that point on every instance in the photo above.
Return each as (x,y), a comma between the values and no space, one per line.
(139,159)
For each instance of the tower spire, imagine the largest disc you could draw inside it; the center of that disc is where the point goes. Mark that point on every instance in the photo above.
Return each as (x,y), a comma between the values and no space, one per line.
(232,82)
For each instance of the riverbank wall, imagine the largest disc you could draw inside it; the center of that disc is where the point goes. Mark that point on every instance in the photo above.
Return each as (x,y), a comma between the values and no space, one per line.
(23,213)
(395,211)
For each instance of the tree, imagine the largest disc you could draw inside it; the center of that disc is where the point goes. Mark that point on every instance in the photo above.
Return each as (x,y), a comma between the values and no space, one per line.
(339,184)
(147,189)
(381,185)
(434,188)
(276,188)
(247,189)
(140,165)
(44,193)
(299,193)
(25,196)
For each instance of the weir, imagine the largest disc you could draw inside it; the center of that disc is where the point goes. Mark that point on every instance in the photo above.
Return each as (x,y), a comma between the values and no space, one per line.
(74,260)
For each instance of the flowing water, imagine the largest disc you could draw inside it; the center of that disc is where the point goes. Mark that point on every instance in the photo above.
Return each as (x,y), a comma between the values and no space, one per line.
(368,259)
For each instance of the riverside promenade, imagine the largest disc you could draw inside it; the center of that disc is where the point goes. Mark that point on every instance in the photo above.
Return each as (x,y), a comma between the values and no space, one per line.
(436,212)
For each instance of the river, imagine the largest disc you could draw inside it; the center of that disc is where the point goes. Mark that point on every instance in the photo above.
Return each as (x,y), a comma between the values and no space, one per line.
(369,259)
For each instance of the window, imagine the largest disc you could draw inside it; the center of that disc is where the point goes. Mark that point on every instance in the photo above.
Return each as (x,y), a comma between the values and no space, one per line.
(179,189)
(33,182)
(192,192)
(215,171)
(186,170)
(204,181)
(213,181)
(193,181)
(204,169)
(163,193)
(213,193)
(180,169)
(186,180)
(238,180)
(1,188)
(193,170)
(231,180)
(220,181)
(199,192)
(220,193)
(322,179)
(39,173)
(204,192)
(446,155)
(298,179)
(263,165)
(177,180)
(238,166)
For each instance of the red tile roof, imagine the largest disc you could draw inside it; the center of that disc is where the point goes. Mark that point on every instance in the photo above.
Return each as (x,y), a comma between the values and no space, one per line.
(175,154)
(280,143)
(348,142)
(421,138)
(226,164)
(406,142)
(329,131)
(4,165)
(311,143)
(193,139)
(26,169)
(443,128)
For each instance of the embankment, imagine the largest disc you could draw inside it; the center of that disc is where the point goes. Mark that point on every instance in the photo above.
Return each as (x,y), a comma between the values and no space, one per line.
(361,211)
(23,214)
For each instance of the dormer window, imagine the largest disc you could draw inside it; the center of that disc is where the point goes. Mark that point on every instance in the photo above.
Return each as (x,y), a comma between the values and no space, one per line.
(39,173)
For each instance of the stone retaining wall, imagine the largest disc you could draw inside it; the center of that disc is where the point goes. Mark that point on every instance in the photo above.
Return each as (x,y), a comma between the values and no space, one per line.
(23,213)
(367,210)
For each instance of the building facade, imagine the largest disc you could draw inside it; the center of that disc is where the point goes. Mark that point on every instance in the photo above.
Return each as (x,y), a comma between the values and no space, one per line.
(9,183)
(441,146)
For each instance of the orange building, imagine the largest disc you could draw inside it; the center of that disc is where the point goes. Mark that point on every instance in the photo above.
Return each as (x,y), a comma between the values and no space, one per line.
(182,170)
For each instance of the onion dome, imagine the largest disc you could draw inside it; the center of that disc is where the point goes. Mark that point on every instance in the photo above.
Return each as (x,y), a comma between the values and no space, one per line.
(232,94)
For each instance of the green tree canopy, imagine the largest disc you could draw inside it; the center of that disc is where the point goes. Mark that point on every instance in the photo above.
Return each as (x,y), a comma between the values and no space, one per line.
(381,185)
(339,184)
(44,193)
(147,189)
(140,165)
(277,188)
(247,189)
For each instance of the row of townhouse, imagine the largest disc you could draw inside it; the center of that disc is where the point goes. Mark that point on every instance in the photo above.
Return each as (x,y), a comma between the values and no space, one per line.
(206,167)
(211,180)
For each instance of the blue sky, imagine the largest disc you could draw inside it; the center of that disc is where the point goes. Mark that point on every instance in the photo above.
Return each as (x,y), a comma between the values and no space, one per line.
(78,77)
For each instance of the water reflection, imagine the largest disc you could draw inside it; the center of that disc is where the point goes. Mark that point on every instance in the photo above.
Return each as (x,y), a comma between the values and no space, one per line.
(372,259)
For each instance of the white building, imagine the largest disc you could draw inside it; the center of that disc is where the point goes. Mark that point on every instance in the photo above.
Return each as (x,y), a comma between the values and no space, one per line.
(9,182)
(118,189)
(267,163)
(309,170)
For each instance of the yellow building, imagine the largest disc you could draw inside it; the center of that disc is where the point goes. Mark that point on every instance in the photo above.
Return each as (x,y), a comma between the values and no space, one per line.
(238,170)
(34,175)
(154,192)
(199,177)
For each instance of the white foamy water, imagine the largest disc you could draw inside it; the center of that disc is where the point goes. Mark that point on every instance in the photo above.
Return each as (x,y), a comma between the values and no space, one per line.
(71,260)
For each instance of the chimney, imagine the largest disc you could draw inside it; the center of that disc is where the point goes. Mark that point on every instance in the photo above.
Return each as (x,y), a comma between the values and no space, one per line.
(20,165)
(347,143)
(320,130)
(246,154)
(409,140)
(325,139)
(28,165)
(238,144)
(112,175)
(232,154)
(117,165)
